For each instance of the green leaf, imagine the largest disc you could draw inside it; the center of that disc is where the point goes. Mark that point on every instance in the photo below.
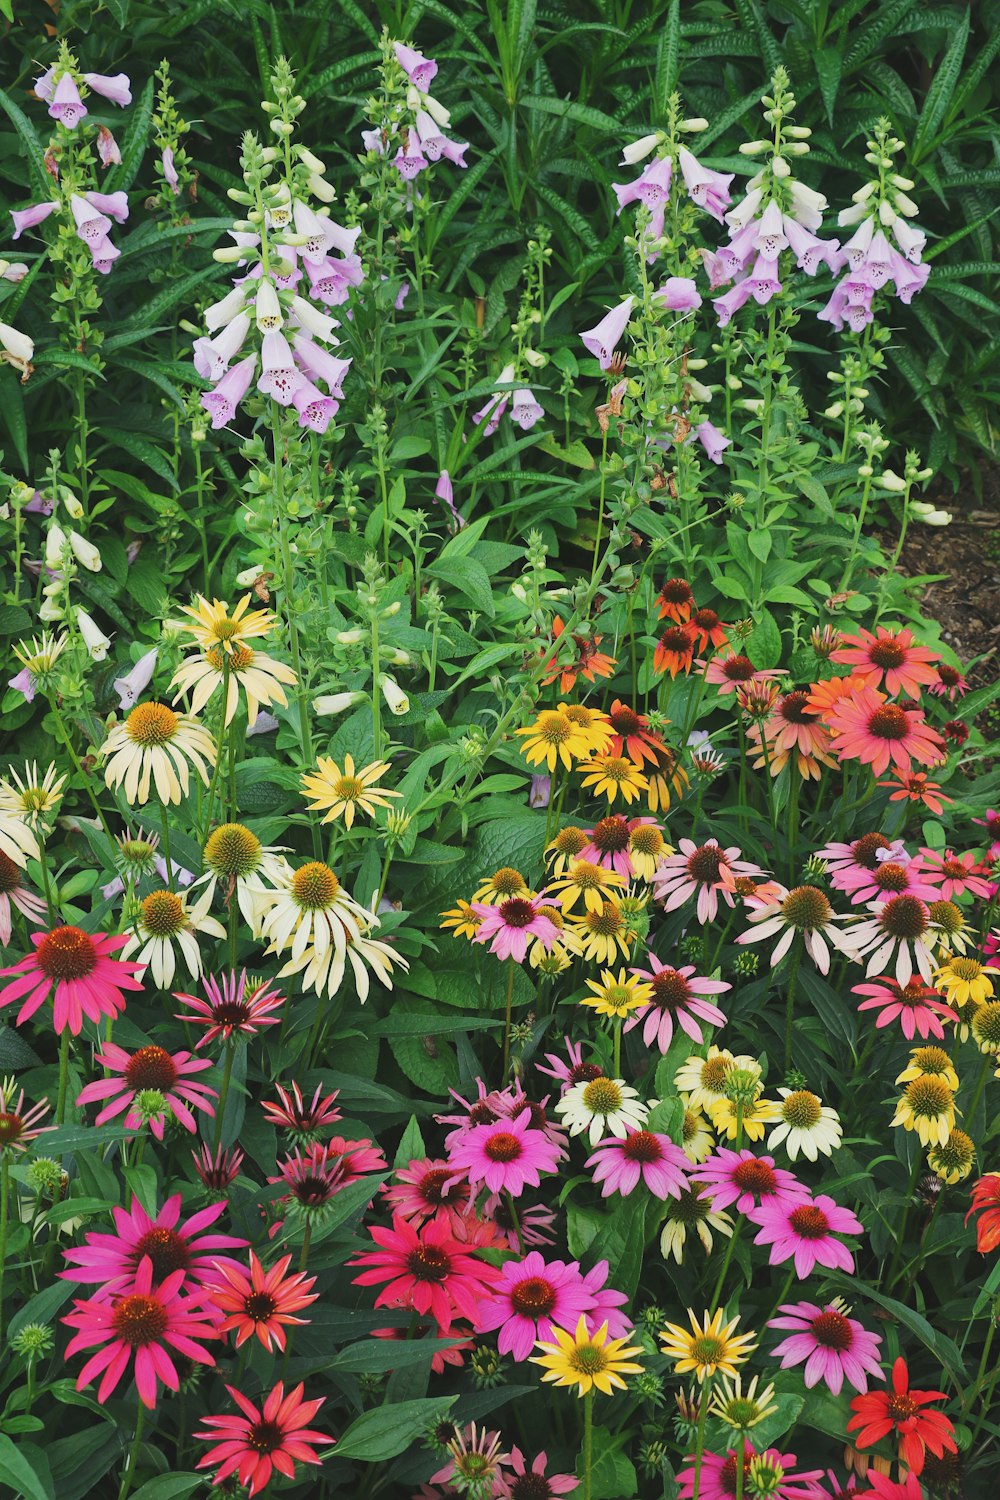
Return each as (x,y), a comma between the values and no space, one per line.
(169,1487)
(469,577)
(411,1146)
(612,1476)
(20,1475)
(34,151)
(946,76)
(764,642)
(943,1349)
(376,1436)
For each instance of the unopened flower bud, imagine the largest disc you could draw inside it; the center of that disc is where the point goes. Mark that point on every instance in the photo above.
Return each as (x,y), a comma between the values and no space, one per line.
(85,552)
(755,148)
(309,161)
(320,189)
(892,482)
(350,637)
(638,150)
(780,167)
(694,126)
(336,703)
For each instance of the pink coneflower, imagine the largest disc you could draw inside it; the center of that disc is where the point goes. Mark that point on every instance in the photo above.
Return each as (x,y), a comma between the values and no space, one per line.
(509,926)
(429,1271)
(575,1070)
(428,1188)
(356,1158)
(314,1178)
(642,1156)
(483,1110)
(18,1130)
(168,1242)
(608,845)
(509,1102)
(13,893)
(804,912)
(956,874)
(901,925)
(607,1303)
(805,1233)
(739,1177)
(232,1008)
(731,670)
(950,682)
(891,655)
(529,1297)
(700,869)
(834,1347)
(534,1483)
(218,1169)
(507,1156)
(261,1303)
(895,873)
(678,995)
(918,1008)
(274,1438)
(302,1121)
(867,727)
(534,1223)
(145,1325)
(150,1082)
(860,856)
(775,1472)
(77,970)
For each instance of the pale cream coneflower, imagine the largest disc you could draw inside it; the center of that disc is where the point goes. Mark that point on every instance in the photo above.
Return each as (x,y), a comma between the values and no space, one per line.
(154,746)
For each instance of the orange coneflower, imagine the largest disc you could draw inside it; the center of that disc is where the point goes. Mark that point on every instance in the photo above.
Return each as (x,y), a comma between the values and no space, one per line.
(674,651)
(676,600)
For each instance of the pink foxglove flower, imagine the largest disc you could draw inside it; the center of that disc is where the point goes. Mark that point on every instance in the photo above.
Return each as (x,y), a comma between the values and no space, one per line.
(315,410)
(115,205)
(833,1346)
(213,356)
(170,1243)
(707,189)
(107,148)
(712,440)
(409,160)
(602,340)
(678,294)
(651,188)
(117,87)
(91,224)
(103,256)
(496,404)
(419,70)
(525,411)
(318,364)
(27,218)
(445,492)
(805,1233)
(65,104)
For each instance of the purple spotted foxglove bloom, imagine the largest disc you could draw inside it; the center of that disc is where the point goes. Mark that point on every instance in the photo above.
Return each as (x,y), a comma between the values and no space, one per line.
(409,161)
(444,491)
(117,87)
(908,278)
(131,687)
(107,148)
(419,70)
(525,411)
(115,205)
(730,302)
(315,410)
(602,340)
(212,357)
(678,294)
(809,251)
(540,791)
(330,280)
(496,404)
(103,256)
(222,403)
(317,364)
(763,283)
(170,176)
(454,151)
(65,104)
(651,188)
(91,225)
(279,376)
(27,218)
(707,189)
(712,440)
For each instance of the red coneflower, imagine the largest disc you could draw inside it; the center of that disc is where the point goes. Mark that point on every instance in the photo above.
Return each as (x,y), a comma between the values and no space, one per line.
(429,1271)
(913,786)
(791,730)
(950,684)
(899,1411)
(956,874)
(986,1201)
(302,1121)
(676,600)
(253,1446)
(891,655)
(918,1008)
(78,970)
(589,662)
(262,1303)
(956,731)
(708,630)
(632,735)
(867,727)
(314,1179)
(429,1188)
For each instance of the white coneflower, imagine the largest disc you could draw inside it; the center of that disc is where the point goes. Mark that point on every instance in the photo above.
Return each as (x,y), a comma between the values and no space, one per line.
(312,918)
(17,840)
(807,1125)
(163,920)
(901,925)
(236,857)
(600,1107)
(37,657)
(153,746)
(805,911)
(34,799)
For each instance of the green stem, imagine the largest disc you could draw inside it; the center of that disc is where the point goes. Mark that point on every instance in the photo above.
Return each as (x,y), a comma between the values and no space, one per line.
(165,830)
(376,688)
(616,1071)
(133,1458)
(793,971)
(515,1220)
(306,1239)
(220,1108)
(4,1199)
(725,1266)
(901,1235)
(699,1442)
(63,1075)
(600,509)
(511,967)
(588,1444)
(980,1085)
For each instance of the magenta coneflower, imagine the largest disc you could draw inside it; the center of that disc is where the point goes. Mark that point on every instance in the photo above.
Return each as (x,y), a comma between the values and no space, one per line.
(950,682)
(607,1303)
(357,1157)
(232,1008)
(148,1083)
(731,670)
(483,1110)
(895,874)
(509,926)
(78,971)
(168,1242)
(766,1472)
(13,892)
(18,1130)
(428,1188)
(956,875)
(805,1232)
(262,1303)
(314,1178)
(429,1271)
(534,1484)
(507,1156)
(302,1121)
(901,925)
(572,1071)
(262,1442)
(700,870)
(528,1298)
(888,654)
(918,1008)
(644,1156)
(218,1169)
(834,1347)
(143,1325)
(608,844)
(678,995)
(867,727)
(739,1177)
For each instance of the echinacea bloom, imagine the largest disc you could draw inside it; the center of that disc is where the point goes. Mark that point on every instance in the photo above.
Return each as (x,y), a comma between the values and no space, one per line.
(616,996)
(236,859)
(219,1169)
(232,1008)
(427,1270)
(952,1160)
(678,995)
(708,1347)
(262,679)
(500,886)
(611,775)
(163,919)
(890,655)
(791,731)
(429,1188)
(907,1487)
(36,798)
(552,738)
(587,1361)
(13,893)
(733,670)
(344,793)
(866,727)
(589,662)
(902,1412)
(804,912)
(17,1129)
(263,1302)
(153,746)
(475,1461)
(985,1198)
(700,870)
(914,786)
(604,1106)
(966,981)
(694,1213)
(956,874)
(927,1105)
(594,881)
(312,915)
(148,1083)
(631,735)
(707,629)
(739,1177)
(676,600)
(702,1079)
(833,1346)
(918,1008)
(534,1484)
(675,651)
(462,920)
(507,1155)
(768,1473)
(300,1120)
(606,844)
(895,873)
(643,1156)
(530,1299)
(805,1233)
(147,1325)
(666,777)
(314,1179)
(901,925)
(78,971)
(950,682)
(273,1438)
(169,1242)
(807,1126)
(508,927)
(751,1115)
(572,1069)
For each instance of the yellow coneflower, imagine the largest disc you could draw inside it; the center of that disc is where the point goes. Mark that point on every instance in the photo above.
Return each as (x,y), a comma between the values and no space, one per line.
(952,1160)
(567,846)
(617,995)
(611,775)
(501,886)
(739,1409)
(604,935)
(343,793)
(754,1114)
(591,723)
(587,1361)
(697,1140)
(215,627)
(985,1027)
(591,881)
(554,737)
(164,920)
(962,980)
(462,920)
(930,1062)
(646,847)
(927,1106)
(707,1347)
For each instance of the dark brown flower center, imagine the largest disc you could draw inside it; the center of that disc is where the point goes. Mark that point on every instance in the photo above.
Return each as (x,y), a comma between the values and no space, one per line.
(806,907)
(865,849)
(585,1073)
(809,1222)
(625,720)
(264,1437)
(139,1320)
(260,1306)
(10,876)
(481,1114)
(833,1330)
(428,1263)
(677,591)
(151,1068)
(167,1250)
(534,1297)
(705,863)
(671,990)
(889,723)
(902,1406)
(642,1146)
(611,835)
(792,708)
(529,1486)
(66,953)
(738,668)
(891,876)
(517,913)
(948,675)
(755,1177)
(676,642)
(904,917)
(433,1188)
(887,653)
(706,619)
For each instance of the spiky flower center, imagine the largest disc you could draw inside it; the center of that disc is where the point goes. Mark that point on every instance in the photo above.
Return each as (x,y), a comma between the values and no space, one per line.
(792,709)
(151,1068)
(902,1407)
(137,854)
(986,1025)
(584,1073)
(554,728)
(315,887)
(806,907)
(706,619)
(677,591)
(503,1146)
(802,1110)
(604,923)
(865,849)
(529,1486)
(833,1330)
(232,850)
(676,642)
(260,1306)
(151,724)
(66,953)
(809,1222)
(738,668)
(904,917)
(567,841)
(139,1320)
(167,1249)
(891,876)
(671,991)
(708,1350)
(616,768)
(968,969)
(929,1097)
(602,1096)
(932,1060)
(588,1359)
(688,1208)
(642,1147)
(163,914)
(534,1297)
(264,1437)
(238,659)
(428,1263)
(955,1153)
(947,916)
(349,788)
(887,652)
(755,1176)
(714,1072)
(948,675)
(706,862)
(517,913)
(625,721)
(611,835)
(10,878)
(507,881)
(587,876)
(889,722)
